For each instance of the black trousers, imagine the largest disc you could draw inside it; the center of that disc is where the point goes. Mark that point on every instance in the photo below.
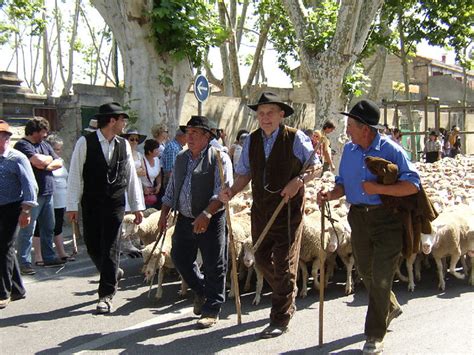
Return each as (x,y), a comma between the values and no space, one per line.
(102,227)
(10,278)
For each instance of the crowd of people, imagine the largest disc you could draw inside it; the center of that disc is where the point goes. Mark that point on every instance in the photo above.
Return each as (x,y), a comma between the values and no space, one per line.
(111,174)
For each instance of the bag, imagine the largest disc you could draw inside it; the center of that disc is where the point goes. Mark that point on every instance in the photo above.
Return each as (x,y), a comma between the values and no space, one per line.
(151,200)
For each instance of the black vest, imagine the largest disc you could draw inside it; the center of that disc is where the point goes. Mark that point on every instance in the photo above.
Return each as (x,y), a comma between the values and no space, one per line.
(202,180)
(105,183)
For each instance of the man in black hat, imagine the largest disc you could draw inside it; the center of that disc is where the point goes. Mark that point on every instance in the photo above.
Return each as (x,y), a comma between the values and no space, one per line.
(192,192)
(273,157)
(376,230)
(101,171)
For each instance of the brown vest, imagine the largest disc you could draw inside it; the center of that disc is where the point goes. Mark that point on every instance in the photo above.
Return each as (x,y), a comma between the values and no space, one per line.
(271,176)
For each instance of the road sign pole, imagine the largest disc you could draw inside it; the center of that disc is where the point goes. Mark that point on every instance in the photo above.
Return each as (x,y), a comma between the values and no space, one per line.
(199,108)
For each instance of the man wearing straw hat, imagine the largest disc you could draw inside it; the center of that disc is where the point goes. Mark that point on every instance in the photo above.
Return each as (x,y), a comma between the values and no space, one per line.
(273,157)
(192,192)
(101,171)
(376,230)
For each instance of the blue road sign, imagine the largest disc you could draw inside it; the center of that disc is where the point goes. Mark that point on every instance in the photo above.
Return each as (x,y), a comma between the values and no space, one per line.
(201,88)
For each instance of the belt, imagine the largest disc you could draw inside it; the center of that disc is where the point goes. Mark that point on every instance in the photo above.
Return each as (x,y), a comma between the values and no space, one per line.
(367,208)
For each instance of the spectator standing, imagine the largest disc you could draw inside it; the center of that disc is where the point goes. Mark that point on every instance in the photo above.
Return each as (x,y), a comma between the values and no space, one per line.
(236,143)
(160,134)
(433,148)
(326,152)
(59,204)
(376,230)
(238,149)
(151,181)
(272,157)
(102,169)
(44,161)
(192,192)
(173,147)
(17,197)
(454,142)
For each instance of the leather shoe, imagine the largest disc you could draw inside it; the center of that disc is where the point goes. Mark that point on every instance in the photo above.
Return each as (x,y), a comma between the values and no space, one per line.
(207,321)
(120,274)
(373,346)
(105,305)
(4,303)
(272,331)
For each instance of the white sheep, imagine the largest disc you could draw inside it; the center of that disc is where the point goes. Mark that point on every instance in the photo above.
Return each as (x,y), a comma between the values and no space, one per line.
(147,231)
(449,229)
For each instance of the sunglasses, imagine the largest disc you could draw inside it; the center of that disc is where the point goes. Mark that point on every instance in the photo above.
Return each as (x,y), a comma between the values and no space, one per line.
(133,139)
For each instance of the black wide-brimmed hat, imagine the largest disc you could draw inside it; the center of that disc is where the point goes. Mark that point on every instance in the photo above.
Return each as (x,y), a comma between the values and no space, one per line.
(133,131)
(271,98)
(367,112)
(198,122)
(111,109)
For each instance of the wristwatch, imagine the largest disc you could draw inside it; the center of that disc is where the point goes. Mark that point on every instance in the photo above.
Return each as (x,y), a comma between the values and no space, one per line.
(207,214)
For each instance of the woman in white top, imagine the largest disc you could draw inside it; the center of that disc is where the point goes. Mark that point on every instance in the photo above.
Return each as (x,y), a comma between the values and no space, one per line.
(151,182)
(134,139)
(59,202)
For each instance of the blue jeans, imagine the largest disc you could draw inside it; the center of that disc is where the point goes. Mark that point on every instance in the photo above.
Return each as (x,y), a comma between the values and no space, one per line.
(44,215)
(213,247)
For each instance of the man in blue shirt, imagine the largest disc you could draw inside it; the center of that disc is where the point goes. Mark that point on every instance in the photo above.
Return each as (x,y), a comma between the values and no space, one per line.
(376,230)
(17,197)
(44,160)
(168,157)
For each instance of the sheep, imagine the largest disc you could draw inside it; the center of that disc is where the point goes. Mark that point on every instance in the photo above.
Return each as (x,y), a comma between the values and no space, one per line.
(241,231)
(160,259)
(450,231)
(147,231)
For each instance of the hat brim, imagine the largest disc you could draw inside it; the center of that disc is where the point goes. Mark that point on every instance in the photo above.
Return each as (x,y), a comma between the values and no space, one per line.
(141,137)
(100,115)
(361,120)
(286,108)
(183,129)
(87,129)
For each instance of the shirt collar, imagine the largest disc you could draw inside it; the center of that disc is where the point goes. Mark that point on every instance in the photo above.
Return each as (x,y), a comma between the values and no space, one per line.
(103,139)
(273,135)
(201,154)
(376,143)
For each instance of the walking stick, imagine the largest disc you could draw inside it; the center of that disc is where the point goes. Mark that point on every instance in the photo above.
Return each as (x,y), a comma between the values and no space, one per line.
(278,209)
(233,272)
(76,233)
(322,274)
(157,240)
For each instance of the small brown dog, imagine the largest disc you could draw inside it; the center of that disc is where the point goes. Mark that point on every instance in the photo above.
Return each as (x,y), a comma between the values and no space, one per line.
(386,171)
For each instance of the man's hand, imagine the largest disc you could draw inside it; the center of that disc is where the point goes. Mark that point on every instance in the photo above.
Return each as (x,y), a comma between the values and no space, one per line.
(24,219)
(292,188)
(200,224)
(225,195)
(138,217)
(73,216)
(322,197)
(163,221)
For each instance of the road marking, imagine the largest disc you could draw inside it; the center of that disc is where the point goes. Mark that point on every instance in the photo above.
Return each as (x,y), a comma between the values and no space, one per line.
(122,333)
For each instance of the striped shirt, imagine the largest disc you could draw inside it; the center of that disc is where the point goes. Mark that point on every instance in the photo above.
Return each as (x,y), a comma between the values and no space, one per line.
(17,180)
(432,146)
(184,202)
(169,155)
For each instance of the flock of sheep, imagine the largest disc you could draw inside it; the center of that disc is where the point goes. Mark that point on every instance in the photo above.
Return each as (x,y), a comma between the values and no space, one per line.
(449,183)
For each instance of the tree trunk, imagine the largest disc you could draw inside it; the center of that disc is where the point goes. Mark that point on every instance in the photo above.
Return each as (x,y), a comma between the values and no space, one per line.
(377,74)
(155,84)
(324,71)
(406,82)
(70,73)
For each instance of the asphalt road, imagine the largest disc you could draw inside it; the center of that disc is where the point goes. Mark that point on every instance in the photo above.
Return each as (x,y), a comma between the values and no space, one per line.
(58,317)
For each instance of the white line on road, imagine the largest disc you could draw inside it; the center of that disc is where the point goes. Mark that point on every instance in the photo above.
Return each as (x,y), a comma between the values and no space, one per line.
(119,334)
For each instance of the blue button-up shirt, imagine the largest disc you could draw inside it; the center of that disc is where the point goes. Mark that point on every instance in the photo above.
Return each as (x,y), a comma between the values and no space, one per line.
(302,149)
(17,181)
(169,155)
(353,171)
(184,201)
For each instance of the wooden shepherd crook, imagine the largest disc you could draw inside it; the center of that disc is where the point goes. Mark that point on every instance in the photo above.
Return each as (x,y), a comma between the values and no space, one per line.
(322,282)
(235,279)
(76,233)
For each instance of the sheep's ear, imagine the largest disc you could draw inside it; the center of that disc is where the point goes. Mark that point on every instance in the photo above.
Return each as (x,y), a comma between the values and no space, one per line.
(164,253)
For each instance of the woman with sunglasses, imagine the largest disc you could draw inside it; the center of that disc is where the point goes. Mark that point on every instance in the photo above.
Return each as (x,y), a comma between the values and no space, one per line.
(135,138)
